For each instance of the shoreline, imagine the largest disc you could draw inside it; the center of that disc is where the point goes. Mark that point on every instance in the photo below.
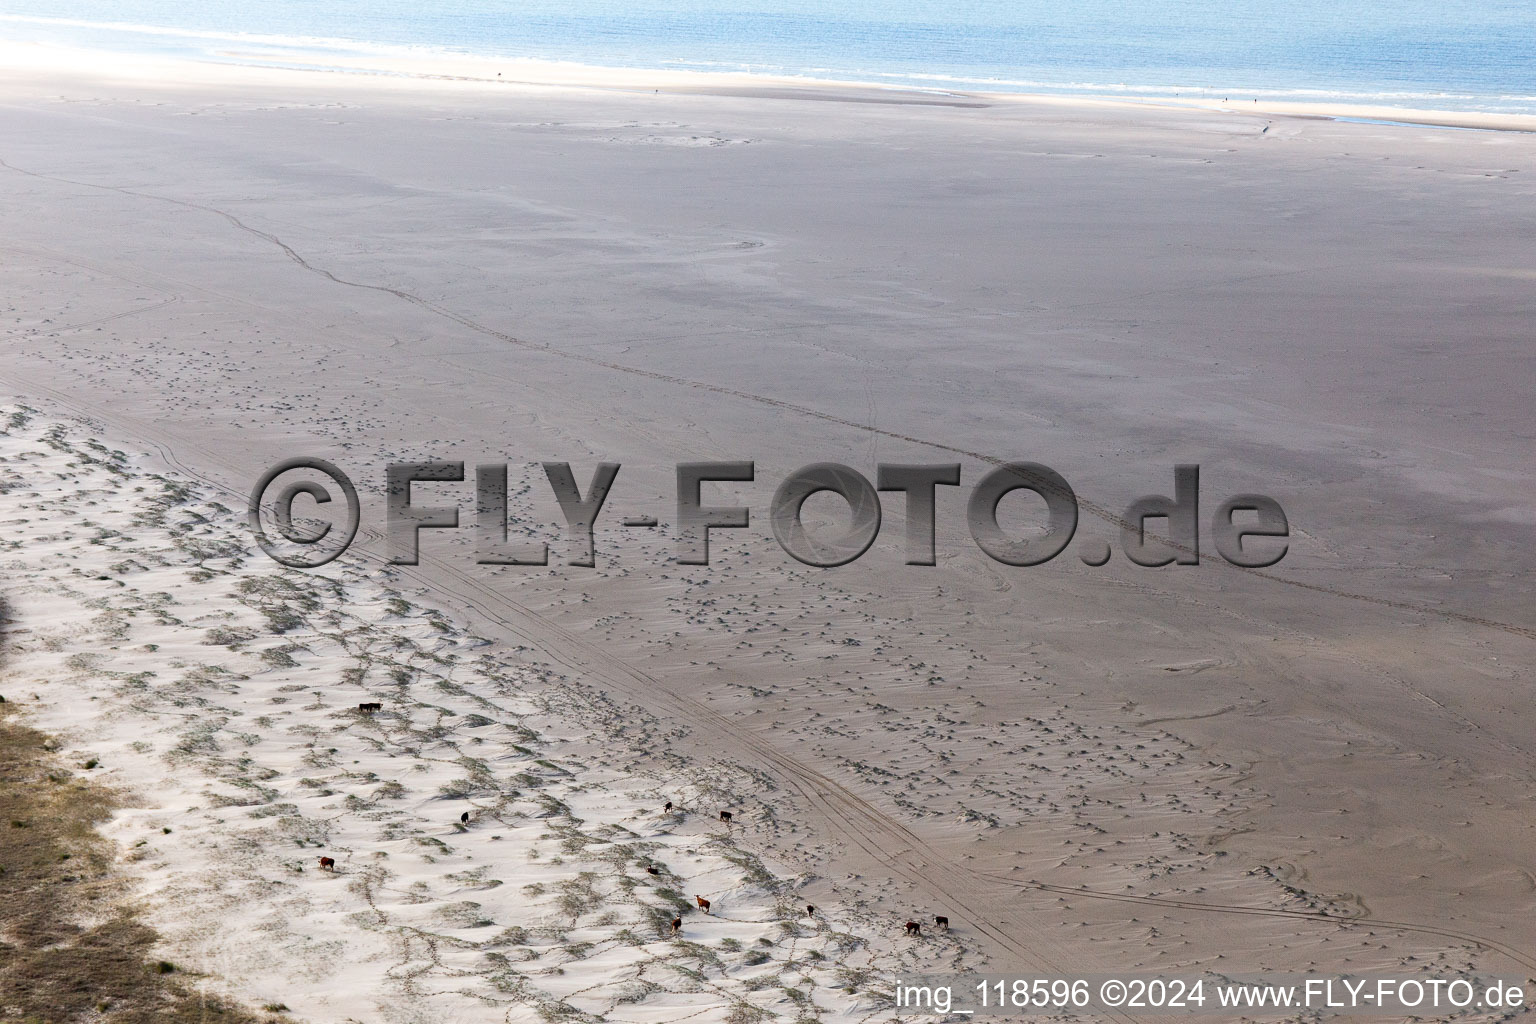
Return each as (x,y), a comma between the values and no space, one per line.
(532,73)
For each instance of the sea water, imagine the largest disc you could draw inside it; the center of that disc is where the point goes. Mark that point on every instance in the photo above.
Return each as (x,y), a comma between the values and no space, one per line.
(1447,54)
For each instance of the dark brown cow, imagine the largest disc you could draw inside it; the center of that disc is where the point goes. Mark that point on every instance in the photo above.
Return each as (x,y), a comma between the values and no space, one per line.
(668,807)
(725,816)
(369,709)
(677,925)
(810,911)
(940,921)
(327,863)
(913,928)
(651,869)
(464,818)
(703,903)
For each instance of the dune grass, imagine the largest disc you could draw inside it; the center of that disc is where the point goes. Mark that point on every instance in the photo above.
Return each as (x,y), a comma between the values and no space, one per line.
(69,949)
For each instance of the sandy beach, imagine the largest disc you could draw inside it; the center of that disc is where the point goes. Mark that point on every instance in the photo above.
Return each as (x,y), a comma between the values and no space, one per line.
(228,703)
(1326,765)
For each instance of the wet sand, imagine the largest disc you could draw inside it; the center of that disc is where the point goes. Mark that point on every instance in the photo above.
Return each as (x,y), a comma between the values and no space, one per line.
(1087,768)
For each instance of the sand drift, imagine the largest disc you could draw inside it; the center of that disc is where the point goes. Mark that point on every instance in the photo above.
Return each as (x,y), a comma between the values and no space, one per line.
(340,803)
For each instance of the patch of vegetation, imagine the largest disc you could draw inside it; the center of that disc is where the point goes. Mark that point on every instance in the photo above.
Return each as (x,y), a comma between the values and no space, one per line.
(746,1013)
(57,873)
(227,636)
(578,895)
(278,657)
(465,914)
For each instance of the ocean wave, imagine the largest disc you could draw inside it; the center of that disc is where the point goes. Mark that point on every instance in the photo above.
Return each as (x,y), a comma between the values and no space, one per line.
(893,73)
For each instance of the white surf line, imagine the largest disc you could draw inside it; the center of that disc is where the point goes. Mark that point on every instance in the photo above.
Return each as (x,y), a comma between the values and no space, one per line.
(223,699)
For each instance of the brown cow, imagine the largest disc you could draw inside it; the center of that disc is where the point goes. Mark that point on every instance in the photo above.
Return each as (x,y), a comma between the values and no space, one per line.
(677,925)
(810,911)
(703,903)
(940,921)
(652,869)
(668,807)
(725,816)
(327,863)
(913,928)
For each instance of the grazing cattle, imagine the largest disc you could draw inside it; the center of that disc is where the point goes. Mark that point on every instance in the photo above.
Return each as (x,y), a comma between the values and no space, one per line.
(652,870)
(913,928)
(725,816)
(327,863)
(703,903)
(810,911)
(370,708)
(464,818)
(668,807)
(677,925)
(940,921)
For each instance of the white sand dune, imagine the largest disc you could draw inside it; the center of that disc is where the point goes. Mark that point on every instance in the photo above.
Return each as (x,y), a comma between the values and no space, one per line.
(221,695)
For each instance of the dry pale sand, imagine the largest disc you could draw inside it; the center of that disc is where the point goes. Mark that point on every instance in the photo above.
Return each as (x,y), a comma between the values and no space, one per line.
(1087,768)
(496,854)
